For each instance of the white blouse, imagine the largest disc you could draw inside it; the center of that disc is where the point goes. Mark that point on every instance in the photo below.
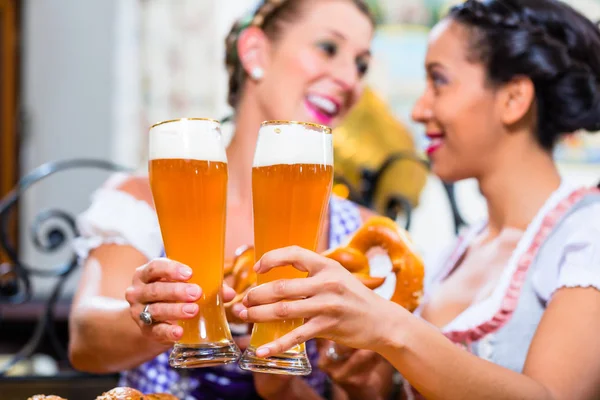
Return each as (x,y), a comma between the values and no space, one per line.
(116,217)
(577,261)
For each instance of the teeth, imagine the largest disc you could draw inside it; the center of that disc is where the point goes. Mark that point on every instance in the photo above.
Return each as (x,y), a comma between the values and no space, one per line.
(324,104)
(436,141)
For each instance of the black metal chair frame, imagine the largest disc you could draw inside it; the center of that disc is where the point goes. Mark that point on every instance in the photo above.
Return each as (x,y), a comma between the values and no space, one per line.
(48,236)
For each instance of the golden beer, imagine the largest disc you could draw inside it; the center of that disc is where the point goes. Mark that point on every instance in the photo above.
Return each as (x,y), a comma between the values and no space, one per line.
(292,179)
(188,177)
(290,215)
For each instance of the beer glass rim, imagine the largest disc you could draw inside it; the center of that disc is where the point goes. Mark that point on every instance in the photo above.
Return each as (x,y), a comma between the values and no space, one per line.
(324,128)
(168,121)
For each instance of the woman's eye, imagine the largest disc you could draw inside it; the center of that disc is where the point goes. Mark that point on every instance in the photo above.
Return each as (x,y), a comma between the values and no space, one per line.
(438,80)
(328,48)
(362,66)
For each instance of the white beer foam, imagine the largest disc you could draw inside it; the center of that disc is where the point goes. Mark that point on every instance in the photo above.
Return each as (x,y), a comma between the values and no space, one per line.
(292,144)
(187,139)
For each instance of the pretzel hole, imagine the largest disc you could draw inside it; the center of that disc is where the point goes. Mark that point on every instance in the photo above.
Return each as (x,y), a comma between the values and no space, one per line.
(381,266)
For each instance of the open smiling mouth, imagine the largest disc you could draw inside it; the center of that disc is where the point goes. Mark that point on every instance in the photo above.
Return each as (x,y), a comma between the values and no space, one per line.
(436,141)
(323,109)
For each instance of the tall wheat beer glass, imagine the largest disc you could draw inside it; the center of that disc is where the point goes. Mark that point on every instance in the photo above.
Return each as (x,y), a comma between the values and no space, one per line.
(291,184)
(188,177)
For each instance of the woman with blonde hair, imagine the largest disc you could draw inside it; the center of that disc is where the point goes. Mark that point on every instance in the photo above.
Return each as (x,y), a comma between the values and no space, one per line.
(292,60)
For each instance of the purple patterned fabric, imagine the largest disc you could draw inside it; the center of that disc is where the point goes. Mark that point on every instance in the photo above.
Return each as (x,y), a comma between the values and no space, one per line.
(229,381)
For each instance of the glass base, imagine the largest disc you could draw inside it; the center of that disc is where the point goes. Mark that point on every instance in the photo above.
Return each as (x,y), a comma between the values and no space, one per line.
(203,355)
(288,363)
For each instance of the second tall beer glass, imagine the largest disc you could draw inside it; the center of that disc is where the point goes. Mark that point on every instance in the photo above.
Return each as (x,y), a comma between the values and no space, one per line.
(292,178)
(188,177)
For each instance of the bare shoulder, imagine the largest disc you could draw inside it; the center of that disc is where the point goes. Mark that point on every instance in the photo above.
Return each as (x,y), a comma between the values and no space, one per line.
(137,186)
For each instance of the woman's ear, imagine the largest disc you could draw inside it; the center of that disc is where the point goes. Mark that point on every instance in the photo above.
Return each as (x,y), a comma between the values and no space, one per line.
(517,100)
(252,49)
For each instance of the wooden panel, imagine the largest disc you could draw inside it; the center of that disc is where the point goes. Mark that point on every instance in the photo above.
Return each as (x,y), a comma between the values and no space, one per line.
(9,75)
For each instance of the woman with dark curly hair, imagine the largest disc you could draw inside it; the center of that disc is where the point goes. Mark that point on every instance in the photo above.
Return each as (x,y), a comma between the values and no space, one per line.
(513,311)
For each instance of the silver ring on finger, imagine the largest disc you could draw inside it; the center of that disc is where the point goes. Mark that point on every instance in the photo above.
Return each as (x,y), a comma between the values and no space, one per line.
(333,355)
(145,316)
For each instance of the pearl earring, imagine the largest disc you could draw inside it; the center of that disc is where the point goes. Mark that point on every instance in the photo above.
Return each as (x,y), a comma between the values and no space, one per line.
(257,73)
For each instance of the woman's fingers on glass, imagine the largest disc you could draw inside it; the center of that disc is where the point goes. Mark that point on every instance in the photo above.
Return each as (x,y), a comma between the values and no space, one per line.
(297,336)
(164,332)
(237,309)
(131,295)
(169,292)
(228,293)
(302,259)
(281,310)
(242,341)
(163,269)
(283,289)
(162,312)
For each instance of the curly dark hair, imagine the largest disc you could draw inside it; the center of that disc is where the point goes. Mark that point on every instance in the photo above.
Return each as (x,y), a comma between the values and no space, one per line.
(547,41)
(270,17)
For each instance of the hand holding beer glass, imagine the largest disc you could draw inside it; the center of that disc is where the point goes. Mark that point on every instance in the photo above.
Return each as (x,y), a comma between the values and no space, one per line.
(292,177)
(188,177)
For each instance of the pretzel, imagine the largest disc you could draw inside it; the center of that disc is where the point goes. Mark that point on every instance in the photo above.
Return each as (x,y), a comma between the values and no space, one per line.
(378,231)
(44,397)
(118,393)
(407,265)
(127,393)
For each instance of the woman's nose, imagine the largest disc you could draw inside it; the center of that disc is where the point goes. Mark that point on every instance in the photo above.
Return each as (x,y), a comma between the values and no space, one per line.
(422,110)
(346,74)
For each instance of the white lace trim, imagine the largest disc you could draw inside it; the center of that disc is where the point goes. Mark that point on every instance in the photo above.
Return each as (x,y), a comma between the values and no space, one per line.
(578,285)
(578,259)
(581,268)
(117,217)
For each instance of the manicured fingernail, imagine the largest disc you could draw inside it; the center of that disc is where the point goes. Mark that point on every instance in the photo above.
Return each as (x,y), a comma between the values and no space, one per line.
(193,290)
(256,266)
(177,332)
(185,272)
(237,308)
(244,314)
(262,352)
(190,309)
